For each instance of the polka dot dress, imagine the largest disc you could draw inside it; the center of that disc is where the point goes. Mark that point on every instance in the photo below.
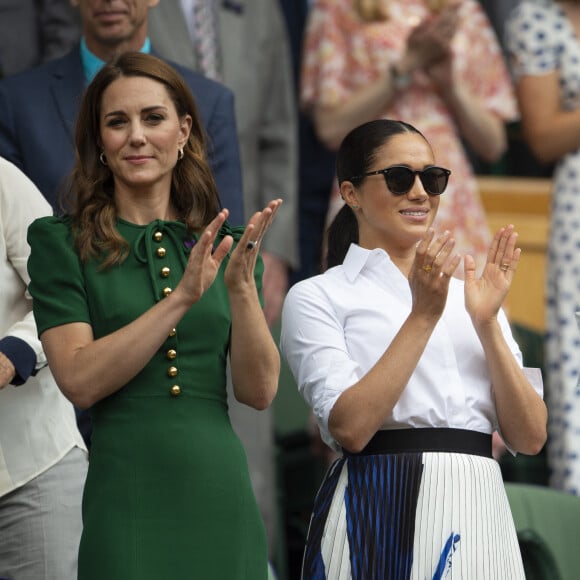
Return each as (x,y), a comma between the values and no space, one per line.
(540,40)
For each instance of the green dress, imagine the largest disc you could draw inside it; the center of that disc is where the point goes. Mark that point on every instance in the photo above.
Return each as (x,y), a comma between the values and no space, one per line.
(168,493)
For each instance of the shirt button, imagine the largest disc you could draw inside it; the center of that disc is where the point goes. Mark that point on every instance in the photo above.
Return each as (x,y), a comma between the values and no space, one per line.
(167,291)
(157,236)
(172,332)
(172,371)
(165,272)
(176,390)
(171,354)
(161,252)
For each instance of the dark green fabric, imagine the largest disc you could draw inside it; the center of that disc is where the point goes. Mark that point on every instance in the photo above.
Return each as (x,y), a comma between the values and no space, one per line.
(168,494)
(548,524)
(539,562)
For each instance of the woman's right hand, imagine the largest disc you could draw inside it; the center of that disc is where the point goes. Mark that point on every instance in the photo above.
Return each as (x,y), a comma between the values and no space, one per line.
(432,269)
(204,261)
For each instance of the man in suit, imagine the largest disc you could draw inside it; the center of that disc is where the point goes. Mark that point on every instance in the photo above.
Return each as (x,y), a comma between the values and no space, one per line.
(38,108)
(256,65)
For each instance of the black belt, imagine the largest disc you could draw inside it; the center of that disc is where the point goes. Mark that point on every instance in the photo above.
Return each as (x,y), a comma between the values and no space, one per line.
(418,440)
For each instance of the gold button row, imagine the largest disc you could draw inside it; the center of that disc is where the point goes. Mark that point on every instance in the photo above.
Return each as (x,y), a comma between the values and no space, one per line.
(171,354)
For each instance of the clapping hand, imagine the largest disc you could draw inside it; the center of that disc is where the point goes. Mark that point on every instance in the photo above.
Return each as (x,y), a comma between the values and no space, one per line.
(432,269)
(485,295)
(430,41)
(240,270)
(205,260)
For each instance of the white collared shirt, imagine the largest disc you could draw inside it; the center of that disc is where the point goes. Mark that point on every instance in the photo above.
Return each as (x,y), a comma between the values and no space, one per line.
(37,424)
(337,325)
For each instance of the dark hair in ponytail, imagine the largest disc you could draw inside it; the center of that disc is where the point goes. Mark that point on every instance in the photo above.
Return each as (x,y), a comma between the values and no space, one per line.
(355,156)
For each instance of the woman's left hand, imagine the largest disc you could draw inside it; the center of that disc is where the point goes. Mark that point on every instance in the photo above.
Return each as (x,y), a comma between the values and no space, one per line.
(240,269)
(485,295)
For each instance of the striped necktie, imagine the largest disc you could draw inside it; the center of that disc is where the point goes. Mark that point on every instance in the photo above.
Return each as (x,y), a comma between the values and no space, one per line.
(206,38)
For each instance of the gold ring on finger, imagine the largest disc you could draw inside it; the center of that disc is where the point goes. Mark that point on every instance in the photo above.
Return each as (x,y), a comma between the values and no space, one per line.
(427,268)
(505,267)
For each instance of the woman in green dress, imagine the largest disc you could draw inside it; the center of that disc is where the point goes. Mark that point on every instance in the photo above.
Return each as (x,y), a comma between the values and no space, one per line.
(141,294)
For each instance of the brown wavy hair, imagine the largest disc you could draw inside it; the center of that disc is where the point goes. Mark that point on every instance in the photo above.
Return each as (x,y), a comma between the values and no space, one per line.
(90,197)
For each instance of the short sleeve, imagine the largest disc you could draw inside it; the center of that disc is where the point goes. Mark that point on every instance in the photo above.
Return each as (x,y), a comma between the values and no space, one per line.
(56,276)
(532,34)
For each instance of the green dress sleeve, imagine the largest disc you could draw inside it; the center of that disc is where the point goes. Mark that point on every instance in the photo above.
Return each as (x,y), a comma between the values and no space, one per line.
(56,277)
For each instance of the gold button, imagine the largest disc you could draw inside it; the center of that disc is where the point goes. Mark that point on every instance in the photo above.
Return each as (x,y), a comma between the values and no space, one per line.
(176,390)
(172,371)
(161,252)
(165,272)
(157,236)
(171,354)
(173,332)
(167,291)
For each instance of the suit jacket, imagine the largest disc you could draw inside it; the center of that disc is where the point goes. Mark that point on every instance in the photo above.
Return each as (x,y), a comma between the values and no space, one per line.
(38,109)
(257,67)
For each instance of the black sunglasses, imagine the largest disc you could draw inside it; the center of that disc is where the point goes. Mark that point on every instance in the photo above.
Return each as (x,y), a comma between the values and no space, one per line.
(400,179)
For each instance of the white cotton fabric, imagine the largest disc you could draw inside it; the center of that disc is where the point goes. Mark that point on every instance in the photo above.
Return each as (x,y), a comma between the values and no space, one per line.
(335,327)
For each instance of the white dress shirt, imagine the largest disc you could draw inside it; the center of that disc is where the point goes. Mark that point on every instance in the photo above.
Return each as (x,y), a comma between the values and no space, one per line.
(337,325)
(37,424)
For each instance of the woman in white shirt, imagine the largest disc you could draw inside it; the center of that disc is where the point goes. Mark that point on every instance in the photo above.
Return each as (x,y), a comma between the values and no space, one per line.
(408,372)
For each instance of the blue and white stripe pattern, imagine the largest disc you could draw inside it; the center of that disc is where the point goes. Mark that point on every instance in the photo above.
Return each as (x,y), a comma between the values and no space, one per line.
(412,516)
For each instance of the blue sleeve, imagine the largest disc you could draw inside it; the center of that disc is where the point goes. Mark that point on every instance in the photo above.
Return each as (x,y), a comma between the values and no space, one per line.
(21,355)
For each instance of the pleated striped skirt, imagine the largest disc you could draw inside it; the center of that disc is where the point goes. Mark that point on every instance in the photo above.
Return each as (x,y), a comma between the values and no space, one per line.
(400,514)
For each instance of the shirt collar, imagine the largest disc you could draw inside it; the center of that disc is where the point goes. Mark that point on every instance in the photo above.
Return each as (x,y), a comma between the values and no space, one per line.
(92,64)
(358,258)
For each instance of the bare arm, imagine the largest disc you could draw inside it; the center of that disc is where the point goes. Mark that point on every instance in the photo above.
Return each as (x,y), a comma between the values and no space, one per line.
(550,131)
(365,104)
(521,412)
(481,128)
(255,360)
